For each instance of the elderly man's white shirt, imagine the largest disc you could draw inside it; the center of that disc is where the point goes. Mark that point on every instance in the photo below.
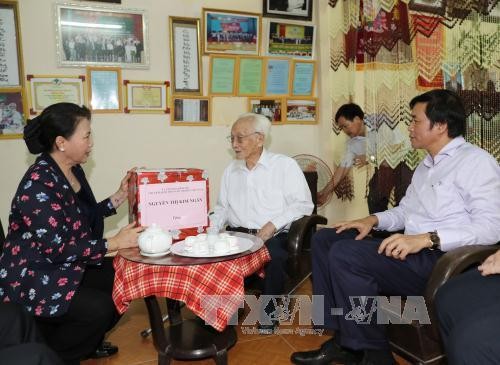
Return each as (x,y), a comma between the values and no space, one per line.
(275,190)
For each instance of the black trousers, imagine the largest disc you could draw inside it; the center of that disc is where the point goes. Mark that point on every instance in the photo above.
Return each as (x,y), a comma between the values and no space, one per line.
(469,318)
(92,313)
(20,341)
(344,270)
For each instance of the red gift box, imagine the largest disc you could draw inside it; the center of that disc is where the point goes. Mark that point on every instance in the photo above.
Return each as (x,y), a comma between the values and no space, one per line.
(174,199)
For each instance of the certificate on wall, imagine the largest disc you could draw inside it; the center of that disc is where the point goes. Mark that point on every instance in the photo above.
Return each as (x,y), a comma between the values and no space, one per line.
(191,111)
(48,90)
(222,75)
(146,96)
(104,89)
(10,63)
(277,76)
(303,78)
(250,76)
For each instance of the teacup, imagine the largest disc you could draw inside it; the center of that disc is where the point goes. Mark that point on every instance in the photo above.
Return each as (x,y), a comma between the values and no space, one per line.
(221,246)
(189,243)
(201,247)
(233,243)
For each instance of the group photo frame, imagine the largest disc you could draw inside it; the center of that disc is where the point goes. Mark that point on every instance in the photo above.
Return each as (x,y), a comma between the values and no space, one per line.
(288,9)
(301,110)
(104,89)
(191,111)
(272,108)
(11,64)
(13,113)
(146,96)
(290,39)
(101,36)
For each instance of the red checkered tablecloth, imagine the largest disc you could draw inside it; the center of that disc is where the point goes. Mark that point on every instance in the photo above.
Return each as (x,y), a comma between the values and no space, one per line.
(212,291)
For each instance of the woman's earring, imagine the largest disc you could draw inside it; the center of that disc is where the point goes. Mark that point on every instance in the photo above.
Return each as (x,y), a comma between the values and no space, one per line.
(61,149)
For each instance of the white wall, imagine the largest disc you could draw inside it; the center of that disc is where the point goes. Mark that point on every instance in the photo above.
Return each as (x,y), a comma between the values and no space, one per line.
(126,140)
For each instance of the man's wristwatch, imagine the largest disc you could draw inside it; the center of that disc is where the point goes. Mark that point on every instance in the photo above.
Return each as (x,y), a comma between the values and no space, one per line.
(434,241)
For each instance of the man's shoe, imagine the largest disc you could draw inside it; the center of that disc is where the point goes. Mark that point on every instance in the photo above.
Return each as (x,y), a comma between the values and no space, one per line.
(105,349)
(328,352)
(267,329)
(376,357)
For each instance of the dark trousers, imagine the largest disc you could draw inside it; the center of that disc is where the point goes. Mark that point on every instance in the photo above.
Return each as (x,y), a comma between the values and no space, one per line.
(469,318)
(92,313)
(20,342)
(345,269)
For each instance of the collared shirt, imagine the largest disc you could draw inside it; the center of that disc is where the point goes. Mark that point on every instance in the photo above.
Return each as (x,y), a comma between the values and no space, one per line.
(457,194)
(275,190)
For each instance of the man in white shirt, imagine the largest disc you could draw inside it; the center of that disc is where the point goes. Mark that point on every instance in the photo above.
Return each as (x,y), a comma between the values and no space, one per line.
(262,193)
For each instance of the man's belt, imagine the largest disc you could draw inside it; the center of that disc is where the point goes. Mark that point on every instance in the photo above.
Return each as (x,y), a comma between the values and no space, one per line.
(243,230)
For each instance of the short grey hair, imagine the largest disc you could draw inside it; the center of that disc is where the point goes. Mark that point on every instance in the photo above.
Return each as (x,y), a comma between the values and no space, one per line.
(261,123)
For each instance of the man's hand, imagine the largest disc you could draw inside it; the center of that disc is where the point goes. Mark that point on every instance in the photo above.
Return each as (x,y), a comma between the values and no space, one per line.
(266,232)
(364,226)
(491,265)
(400,245)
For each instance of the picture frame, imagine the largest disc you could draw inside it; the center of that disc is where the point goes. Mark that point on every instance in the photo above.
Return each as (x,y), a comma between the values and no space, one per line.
(272,108)
(303,78)
(185,56)
(45,90)
(291,9)
(11,63)
(104,89)
(101,36)
(277,76)
(146,96)
(108,1)
(231,32)
(300,110)
(290,39)
(250,73)
(223,75)
(429,6)
(13,113)
(191,111)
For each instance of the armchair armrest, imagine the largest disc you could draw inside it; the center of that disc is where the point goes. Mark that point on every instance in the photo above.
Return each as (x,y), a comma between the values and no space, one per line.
(299,230)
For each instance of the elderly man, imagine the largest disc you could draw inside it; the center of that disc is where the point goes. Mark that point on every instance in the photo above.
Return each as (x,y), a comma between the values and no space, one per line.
(453,200)
(262,193)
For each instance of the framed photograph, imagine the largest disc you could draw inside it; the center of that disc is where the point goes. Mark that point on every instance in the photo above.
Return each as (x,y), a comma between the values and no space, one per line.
(13,113)
(272,108)
(146,97)
(11,65)
(231,32)
(222,78)
(429,6)
(104,88)
(303,78)
(250,76)
(101,36)
(290,39)
(51,89)
(191,111)
(302,110)
(185,59)
(290,9)
(277,76)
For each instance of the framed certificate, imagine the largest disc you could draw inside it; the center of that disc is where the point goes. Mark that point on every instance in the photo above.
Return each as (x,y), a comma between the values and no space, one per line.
(272,108)
(146,97)
(250,76)
(222,75)
(191,111)
(51,89)
(302,110)
(185,60)
(105,89)
(13,114)
(303,78)
(11,65)
(278,76)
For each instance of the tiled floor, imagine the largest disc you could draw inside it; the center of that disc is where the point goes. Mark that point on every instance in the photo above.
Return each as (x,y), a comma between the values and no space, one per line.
(250,348)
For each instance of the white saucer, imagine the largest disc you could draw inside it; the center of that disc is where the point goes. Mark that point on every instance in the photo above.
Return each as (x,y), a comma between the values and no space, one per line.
(157,254)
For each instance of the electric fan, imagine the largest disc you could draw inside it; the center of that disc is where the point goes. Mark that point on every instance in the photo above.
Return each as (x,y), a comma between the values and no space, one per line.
(313,163)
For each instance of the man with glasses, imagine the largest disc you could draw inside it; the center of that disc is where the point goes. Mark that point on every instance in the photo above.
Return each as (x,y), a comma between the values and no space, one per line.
(262,193)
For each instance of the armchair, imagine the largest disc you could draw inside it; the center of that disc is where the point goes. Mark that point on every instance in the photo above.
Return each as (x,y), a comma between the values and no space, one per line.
(420,343)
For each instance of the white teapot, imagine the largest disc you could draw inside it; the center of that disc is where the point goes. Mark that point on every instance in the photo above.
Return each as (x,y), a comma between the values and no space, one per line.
(154,240)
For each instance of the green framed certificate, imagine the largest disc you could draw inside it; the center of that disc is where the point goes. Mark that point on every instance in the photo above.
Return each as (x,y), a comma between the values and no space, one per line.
(303,78)
(222,71)
(250,80)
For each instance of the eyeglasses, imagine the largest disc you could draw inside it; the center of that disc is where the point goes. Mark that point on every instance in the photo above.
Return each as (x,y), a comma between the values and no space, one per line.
(239,139)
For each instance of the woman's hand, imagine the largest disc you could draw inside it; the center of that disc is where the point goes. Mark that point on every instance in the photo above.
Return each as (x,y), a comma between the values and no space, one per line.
(120,196)
(125,238)
(491,265)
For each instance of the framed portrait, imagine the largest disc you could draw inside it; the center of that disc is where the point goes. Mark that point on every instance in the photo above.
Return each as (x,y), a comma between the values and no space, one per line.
(104,87)
(250,76)
(101,36)
(290,39)
(45,90)
(429,6)
(290,9)
(303,78)
(222,78)
(272,108)
(302,110)
(146,97)
(185,58)
(277,76)
(11,65)
(231,32)
(13,113)
(191,111)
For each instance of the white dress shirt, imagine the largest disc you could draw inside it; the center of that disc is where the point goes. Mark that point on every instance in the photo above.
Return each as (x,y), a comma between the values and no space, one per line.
(275,190)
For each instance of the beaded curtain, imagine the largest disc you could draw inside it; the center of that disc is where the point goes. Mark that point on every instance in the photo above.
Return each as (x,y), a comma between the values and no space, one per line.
(394,50)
